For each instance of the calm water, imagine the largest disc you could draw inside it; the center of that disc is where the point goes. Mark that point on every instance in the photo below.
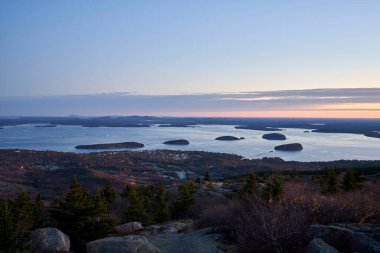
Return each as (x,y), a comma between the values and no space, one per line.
(317,146)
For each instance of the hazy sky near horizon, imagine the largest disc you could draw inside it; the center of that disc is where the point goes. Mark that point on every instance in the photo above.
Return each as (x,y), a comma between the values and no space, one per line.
(175,47)
(318,103)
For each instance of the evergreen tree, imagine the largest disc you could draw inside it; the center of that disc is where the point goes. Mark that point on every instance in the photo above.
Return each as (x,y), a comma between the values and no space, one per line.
(274,189)
(38,213)
(17,219)
(8,232)
(137,207)
(352,181)
(207,177)
(330,182)
(22,209)
(109,192)
(185,199)
(161,210)
(82,216)
(250,185)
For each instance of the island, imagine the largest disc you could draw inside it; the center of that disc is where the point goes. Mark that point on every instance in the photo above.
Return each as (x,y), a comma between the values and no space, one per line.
(174,125)
(372,134)
(112,145)
(274,136)
(289,147)
(259,128)
(228,138)
(46,125)
(177,142)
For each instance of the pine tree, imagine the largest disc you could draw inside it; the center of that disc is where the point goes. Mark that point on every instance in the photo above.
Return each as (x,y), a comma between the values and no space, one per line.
(17,219)
(82,216)
(185,200)
(8,232)
(38,213)
(136,210)
(330,181)
(161,210)
(109,192)
(207,177)
(274,189)
(250,185)
(22,208)
(352,181)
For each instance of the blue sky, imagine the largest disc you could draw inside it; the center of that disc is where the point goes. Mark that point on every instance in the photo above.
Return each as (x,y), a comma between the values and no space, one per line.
(174,47)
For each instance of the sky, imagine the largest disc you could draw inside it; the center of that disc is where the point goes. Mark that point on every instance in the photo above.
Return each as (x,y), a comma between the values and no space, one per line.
(201,48)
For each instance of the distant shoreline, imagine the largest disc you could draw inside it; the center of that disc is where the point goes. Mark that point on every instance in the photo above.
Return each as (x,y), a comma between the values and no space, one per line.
(366,127)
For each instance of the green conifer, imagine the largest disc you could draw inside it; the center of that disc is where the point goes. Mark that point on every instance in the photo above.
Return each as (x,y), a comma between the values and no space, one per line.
(185,199)
(249,185)
(207,177)
(109,192)
(162,210)
(8,232)
(82,216)
(352,181)
(331,181)
(274,189)
(136,210)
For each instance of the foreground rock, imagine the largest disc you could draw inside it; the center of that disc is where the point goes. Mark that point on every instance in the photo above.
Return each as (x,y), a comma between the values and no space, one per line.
(319,246)
(198,241)
(49,240)
(177,142)
(112,145)
(228,138)
(128,228)
(168,228)
(289,147)
(122,244)
(274,136)
(348,237)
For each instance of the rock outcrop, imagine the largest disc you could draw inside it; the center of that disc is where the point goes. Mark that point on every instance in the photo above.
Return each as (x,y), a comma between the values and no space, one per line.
(177,142)
(122,244)
(319,246)
(274,136)
(197,241)
(171,227)
(348,238)
(289,147)
(128,228)
(49,240)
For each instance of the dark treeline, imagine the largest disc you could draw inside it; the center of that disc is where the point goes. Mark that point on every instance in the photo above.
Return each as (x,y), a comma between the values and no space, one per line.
(327,196)
(86,217)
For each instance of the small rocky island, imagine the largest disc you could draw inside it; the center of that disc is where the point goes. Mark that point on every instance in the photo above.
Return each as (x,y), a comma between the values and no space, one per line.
(274,136)
(120,145)
(228,138)
(289,147)
(46,125)
(177,142)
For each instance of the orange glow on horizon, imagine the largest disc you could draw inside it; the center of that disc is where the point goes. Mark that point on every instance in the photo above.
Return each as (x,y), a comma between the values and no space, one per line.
(286,114)
(352,106)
